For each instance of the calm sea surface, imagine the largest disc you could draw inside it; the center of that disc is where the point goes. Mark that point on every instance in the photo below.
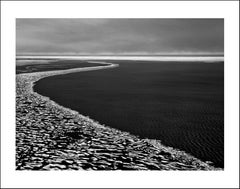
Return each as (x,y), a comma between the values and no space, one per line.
(181,104)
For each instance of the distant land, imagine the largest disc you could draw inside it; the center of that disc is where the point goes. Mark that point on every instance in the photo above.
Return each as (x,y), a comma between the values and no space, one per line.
(144,57)
(123,54)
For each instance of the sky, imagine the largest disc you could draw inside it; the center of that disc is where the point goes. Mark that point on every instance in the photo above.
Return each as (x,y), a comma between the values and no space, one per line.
(119,36)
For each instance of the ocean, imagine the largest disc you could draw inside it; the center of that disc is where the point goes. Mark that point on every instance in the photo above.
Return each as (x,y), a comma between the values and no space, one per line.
(179,103)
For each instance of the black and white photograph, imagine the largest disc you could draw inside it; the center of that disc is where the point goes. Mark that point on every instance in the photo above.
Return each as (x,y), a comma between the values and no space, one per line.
(119,94)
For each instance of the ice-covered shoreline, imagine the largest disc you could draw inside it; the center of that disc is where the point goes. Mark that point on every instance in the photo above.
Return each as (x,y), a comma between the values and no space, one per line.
(52,137)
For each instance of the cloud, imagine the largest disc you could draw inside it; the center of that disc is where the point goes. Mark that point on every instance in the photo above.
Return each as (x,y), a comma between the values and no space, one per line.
(119,35)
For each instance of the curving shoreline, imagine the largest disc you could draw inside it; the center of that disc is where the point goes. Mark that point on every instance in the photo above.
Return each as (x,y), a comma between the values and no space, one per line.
(53,137)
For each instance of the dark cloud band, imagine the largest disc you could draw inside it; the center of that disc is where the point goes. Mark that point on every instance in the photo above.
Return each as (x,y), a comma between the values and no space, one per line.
(120,36)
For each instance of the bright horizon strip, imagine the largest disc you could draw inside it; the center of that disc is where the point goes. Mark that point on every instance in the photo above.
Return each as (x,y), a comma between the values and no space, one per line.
(184,53)
(178,58)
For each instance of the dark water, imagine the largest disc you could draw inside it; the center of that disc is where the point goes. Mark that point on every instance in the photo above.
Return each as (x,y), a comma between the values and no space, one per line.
(182,104)
(57,65)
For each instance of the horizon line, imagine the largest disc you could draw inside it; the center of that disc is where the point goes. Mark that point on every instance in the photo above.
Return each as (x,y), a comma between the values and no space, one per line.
(121,54)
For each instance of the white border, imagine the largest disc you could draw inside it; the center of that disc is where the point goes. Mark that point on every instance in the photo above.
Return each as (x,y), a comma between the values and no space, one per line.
(185,9)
